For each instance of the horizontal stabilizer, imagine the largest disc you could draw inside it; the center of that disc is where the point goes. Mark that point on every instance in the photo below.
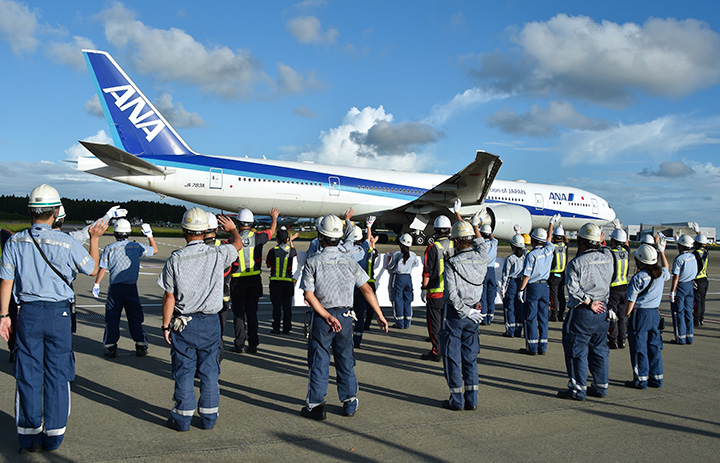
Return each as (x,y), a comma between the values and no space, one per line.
(119,159)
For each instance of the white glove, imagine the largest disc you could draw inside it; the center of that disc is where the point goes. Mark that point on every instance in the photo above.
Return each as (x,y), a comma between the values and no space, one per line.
(502,293)
(423,296)
(457,206)
(662,242)
(555,219)
(672,297)
(370,221)
(147,231)
(476,219)
(180,322)
(475,315)
(611,317)
(616,223)
(521,296)
(517,229)
(695,227)
(115,212)
(96,290)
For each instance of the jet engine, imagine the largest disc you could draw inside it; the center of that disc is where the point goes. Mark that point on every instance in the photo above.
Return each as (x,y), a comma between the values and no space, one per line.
(503,217)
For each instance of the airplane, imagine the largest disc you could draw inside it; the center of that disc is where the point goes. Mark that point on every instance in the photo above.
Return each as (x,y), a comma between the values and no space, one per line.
(148,153)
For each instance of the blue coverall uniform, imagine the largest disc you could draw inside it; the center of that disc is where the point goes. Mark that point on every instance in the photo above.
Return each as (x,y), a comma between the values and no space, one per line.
(490,284)
(685,266)
(537,297)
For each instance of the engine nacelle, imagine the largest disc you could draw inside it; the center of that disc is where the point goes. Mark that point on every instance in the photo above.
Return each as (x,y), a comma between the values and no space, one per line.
(504,217)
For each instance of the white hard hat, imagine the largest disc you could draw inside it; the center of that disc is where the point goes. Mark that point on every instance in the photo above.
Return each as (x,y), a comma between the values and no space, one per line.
(212,221)
(405,239)
(518,241)
(701,239)
(647,239)
(318,222)
(462,229)
(685,241)
(357,233)
(619,235)
(331,226)
(195,220)
(486,229)
(539,234)
(44,196)
(590,232)
(61,213)
(442,222)
(245,216)
(122,226)
(559,231)
(646,254)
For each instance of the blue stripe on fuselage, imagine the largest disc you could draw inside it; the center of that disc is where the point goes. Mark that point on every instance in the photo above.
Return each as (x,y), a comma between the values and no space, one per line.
(270,172)
(545,211)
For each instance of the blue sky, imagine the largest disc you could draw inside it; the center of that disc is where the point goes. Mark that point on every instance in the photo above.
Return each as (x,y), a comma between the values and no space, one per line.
(619,98)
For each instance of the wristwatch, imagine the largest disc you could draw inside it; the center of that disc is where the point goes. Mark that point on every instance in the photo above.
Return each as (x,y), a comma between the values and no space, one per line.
(166,328)
(5,316)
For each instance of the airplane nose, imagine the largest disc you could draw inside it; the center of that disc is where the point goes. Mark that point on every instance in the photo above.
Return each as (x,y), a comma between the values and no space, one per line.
(611,214)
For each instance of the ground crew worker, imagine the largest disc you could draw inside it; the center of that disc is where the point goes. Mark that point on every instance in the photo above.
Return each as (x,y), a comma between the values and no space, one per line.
(210,238)
(464,281)
(82,235)
(400,264)
(433,283)
(193,283)
(509,284)
(12,311)
(282,285)
(364,253)
(534,292)
(314,247)
(38,265)
(556,280)
(328,281)
(618,288)
(490,284)
(700,283)
(585,328)
(684,271)
(246,287)
(122,260)
(643,300)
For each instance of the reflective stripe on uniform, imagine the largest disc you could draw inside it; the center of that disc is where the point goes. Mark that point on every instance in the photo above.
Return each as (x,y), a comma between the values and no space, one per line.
(702,255)
(560,258)
(281,275)
(246,271)
(183,412)
(55,432)
(441,262)
(622,261)
(207,411)
(370,265)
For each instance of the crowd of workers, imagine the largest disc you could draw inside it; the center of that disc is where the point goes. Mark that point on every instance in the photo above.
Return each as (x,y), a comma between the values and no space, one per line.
(604,307)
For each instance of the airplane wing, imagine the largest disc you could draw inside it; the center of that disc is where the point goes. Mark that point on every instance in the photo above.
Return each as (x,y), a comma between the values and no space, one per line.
(470,185)
(126,162)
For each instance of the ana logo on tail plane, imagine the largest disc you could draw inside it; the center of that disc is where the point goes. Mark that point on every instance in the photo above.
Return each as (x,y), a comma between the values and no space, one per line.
(122,95)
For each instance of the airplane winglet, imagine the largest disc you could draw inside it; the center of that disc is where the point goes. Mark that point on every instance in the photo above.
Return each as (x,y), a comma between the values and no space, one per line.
(120,159)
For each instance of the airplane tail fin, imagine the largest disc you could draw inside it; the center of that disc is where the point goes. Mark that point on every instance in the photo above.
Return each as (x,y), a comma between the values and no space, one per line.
(135,124)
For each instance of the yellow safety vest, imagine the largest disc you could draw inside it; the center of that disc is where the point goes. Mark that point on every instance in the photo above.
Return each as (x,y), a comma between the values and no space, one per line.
(276,274)
(371,265)
(441,262)
(560,259)
(621,266)
(701,254)
(247,268)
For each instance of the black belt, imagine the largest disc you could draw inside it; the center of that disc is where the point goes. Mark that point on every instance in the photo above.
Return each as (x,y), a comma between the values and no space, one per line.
(539,282)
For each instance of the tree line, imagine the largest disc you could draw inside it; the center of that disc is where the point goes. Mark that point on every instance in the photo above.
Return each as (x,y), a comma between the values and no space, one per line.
(78,210)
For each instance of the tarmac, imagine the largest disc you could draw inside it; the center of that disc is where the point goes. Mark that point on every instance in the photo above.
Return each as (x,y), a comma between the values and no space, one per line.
(119,406)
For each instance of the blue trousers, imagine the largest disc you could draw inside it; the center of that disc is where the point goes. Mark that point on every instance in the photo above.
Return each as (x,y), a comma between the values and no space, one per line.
(121,296)
(360,306)
(460,347)
(537,300)
(322,339)
(403,300)
(196,349)
(584,341)
(487,301)
(44,368)
(682,313)
(645,347)
(513,309)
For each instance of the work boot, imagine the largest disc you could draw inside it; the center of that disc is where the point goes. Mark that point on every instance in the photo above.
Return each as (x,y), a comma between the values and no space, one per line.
(317,413)
(552,317)
(110,352)
(430,355)
(141,351)
(621,343)
(612,344)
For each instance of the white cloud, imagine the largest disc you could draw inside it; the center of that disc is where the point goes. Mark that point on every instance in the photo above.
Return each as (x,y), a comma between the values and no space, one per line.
(348,144)
(70,53)
(669,169)
(307,29)
(18,26)
(77,150)
(543,122)
(656,139)
(604,62)
(304,111)
(93,107)
(440,113)
(174,55)
(176,114)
